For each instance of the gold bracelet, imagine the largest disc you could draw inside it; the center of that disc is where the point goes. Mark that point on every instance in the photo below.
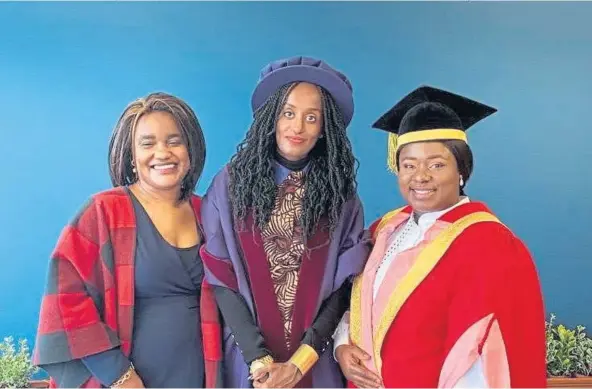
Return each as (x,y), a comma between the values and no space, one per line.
(126,376)
(261,362)
(304,358)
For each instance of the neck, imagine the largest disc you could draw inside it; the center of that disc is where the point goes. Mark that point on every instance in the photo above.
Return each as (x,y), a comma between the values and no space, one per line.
(417,214)
(151,195)
(292,165)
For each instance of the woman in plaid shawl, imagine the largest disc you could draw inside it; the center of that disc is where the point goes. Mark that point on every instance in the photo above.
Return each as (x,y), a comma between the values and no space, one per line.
(124,304)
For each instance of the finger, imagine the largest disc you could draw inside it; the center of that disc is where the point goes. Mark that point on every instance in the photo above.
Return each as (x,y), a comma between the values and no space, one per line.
(359,353)
(365,374)
(260,373)
(263,379)
(363,382)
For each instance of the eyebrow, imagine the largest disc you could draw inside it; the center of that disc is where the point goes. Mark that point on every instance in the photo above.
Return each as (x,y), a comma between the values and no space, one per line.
(308,109)
(142,137)
(432,156)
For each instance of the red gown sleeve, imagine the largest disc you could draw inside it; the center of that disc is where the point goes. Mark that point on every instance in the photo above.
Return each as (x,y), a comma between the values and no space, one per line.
(496,311)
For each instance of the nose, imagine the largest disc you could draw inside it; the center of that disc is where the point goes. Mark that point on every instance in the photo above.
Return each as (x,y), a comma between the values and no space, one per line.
(298,125)
(162,151)
(421,175)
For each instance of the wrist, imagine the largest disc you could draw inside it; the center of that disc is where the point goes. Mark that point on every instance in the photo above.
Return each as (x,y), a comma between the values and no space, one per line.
(260,362)
(125,377)
(304,358)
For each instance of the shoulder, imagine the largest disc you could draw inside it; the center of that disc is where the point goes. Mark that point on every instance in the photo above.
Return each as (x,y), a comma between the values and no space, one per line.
(492,244)
(111,197)
(352,211)
(384,219)
(374,226)
(196,201)
(112,207)
(220,181)
(217,192)
(106,199)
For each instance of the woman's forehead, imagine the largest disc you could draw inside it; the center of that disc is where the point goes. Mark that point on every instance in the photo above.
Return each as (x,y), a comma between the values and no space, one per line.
(304,95)
(425,150)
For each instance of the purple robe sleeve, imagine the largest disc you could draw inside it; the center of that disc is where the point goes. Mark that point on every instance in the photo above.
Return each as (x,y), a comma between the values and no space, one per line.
(355,245)
(219,270)
(319,335)
(353,252)
(220,273)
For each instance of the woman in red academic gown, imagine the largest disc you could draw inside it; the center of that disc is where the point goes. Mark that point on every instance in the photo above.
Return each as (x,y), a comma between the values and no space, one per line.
(450,297)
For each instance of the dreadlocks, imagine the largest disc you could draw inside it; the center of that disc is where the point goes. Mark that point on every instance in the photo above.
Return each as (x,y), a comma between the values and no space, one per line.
(330,181)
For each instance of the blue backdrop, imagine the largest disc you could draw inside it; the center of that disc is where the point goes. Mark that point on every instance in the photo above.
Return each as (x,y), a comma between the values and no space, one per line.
(67,70)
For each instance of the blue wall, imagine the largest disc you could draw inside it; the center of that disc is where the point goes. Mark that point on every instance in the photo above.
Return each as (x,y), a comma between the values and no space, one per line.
(68,69)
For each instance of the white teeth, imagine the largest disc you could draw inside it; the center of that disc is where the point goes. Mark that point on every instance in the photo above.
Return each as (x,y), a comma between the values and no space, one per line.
(162,167)
(423,191)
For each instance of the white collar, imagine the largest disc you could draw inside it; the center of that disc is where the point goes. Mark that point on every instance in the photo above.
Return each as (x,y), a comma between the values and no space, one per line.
(427,219)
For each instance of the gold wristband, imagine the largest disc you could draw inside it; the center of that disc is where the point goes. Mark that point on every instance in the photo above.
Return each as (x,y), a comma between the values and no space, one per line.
(261,362)
(304,358)
(126,376)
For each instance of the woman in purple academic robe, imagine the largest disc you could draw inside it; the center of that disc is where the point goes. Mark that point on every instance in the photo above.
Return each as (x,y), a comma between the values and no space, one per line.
(284,230)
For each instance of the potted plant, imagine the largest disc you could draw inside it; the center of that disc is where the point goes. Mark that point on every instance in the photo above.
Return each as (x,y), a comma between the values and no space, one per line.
(569,356)
(16,369)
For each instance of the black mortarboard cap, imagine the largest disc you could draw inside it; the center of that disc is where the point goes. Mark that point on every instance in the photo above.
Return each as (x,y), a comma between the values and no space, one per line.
(446,114)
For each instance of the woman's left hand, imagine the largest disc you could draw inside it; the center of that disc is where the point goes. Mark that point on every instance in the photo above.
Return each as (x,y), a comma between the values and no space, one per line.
(280,375)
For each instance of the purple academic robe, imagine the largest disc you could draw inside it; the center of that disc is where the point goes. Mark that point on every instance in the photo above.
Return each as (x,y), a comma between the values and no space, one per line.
(325,267)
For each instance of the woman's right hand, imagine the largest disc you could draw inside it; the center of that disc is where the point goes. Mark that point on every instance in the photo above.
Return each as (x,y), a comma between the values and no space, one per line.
(133,382)
(350,360)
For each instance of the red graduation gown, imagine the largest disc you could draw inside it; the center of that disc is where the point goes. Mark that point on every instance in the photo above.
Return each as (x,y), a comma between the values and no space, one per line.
(476,296)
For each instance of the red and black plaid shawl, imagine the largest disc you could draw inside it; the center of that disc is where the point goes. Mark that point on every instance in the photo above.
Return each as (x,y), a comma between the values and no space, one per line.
(89,298)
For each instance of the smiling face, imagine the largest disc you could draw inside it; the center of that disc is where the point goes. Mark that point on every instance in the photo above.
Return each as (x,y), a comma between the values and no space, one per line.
(428,176)
(300,122)
(160,155)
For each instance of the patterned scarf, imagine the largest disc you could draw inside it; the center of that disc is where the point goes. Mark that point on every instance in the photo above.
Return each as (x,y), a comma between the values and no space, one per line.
(284,244)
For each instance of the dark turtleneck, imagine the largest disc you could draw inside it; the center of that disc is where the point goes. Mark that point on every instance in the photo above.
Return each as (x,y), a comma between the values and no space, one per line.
(292,165)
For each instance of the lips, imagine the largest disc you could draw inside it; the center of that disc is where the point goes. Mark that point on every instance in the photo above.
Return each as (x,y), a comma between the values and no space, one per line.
(164,166)
(423,193)
(295,139)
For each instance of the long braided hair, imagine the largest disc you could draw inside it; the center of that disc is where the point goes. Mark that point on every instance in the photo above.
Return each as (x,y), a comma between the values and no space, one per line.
(330,181)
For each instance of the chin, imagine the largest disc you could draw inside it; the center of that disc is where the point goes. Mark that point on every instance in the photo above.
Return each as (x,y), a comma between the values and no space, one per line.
(166,185)
(421,206)
(295,153)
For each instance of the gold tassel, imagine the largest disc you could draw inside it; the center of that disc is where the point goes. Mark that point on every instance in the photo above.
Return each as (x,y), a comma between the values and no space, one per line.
(392,152)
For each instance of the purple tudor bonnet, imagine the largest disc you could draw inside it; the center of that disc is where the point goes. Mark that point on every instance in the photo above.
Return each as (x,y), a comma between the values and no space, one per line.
(305,69)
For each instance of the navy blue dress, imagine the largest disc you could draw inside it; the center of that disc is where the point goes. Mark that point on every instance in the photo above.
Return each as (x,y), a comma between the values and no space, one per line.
(167,345)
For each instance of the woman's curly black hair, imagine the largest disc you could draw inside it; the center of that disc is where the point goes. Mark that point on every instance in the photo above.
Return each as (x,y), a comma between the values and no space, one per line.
(329,183)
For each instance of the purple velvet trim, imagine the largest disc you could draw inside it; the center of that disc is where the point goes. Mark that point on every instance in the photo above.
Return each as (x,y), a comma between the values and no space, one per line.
(221,269)
(312,272)
(269,317)
(307,294)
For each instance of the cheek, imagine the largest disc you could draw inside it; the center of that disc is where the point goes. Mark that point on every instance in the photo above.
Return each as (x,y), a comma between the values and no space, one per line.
(141,156)
(314,131)
(279,139)
(280,126)
(183,156)
(403,183)
(449,182)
